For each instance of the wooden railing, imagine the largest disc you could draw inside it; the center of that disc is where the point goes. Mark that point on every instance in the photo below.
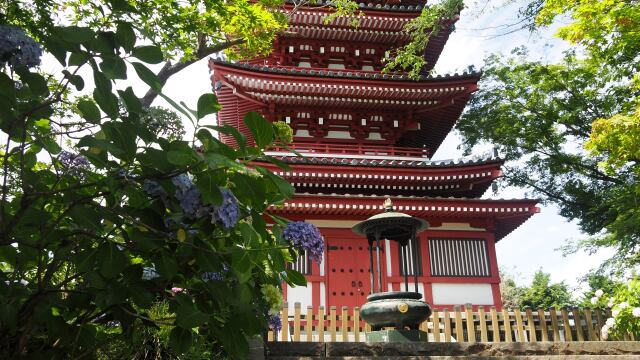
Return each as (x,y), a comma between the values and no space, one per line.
(460,325)
(356,149)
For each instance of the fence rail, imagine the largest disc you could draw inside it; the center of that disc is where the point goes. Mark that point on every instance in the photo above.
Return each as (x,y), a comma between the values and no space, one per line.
(462,324)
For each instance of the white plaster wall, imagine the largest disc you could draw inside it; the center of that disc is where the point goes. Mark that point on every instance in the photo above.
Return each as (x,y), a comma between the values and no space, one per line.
(412,287)
(323,295)
(299,294)
(460,294)
(337,134)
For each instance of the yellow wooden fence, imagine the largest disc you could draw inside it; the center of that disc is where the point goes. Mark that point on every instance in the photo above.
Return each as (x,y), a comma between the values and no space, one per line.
(462,324)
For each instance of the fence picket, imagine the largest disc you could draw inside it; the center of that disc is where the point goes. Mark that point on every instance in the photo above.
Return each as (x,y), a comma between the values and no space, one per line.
(459,329)
(578,324)
(344,326)
(554,324)
(296,321)
(436,326)
(332,323)
(471,324)
(447,326)
(591,336)
(308,324)
(507,326)
(565,324)
(356,324)
(531,324)
(321,323)
(285,322)
(483,324)
(600,322)
(519,326)
(495,325)
(544,330)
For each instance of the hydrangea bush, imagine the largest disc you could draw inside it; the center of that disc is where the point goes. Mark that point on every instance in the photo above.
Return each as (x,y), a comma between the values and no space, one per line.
(93,237)
(625,311)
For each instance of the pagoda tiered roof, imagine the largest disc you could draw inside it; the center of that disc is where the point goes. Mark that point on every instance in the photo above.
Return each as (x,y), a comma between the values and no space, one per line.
(502,215)
(384,175)
(427,107)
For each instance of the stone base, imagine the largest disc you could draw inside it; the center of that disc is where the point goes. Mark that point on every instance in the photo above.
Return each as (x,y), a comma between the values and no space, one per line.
(389,336)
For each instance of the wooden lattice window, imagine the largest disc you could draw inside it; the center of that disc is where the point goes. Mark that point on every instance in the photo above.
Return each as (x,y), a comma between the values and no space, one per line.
(459,257)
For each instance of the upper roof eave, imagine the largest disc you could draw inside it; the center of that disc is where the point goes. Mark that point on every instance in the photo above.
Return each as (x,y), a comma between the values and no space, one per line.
(378,161)
(343,74)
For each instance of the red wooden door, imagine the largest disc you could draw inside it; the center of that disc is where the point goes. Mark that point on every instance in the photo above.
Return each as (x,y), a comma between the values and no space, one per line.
(348,281)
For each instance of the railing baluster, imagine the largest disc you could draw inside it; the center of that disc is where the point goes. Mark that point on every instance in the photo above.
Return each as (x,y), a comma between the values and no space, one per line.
(436,326)
(332,323)
(459,328)
(308,328)
(531,325)
(471,325)
(565,324)
(483,324)
(506,319)
(495,325)
(578,322)
(447,326)
(356,324)
(321,323)
(296,321)
(544,331)
(285,322)
(344,326)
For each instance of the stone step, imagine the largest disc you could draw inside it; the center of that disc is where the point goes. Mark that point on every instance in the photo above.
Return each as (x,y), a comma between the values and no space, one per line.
(472,357)
(584,350)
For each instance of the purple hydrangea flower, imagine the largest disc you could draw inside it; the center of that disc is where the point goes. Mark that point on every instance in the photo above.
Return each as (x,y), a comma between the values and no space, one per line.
(74,164)
(228,212)
(275,322)
(307,237)
(17,48)
(153,189)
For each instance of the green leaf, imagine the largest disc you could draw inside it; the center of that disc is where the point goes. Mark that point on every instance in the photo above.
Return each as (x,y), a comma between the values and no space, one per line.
(77,58)
(37,83)
(130,100)
(107,101)
(180,339)
(114,68)
(295,278)
(166,265)
(250,237)
(283,186)
(188,316)
(260,128)
(241,264)
(249,191)
(89,111)
(123,136)
(112,260)
(147,76)
(75,80)
(209,189)
(148,53)
(180,158)
(74,34)
(207,104)
(240,139)
(125,36)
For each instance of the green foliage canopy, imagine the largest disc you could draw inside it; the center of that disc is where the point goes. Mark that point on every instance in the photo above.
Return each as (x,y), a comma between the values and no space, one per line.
(91,242)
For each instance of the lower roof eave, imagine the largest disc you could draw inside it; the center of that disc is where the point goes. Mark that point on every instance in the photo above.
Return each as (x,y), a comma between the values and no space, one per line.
(507,214)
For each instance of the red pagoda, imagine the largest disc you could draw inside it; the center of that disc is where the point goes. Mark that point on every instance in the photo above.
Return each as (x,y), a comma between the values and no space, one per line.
(367,136)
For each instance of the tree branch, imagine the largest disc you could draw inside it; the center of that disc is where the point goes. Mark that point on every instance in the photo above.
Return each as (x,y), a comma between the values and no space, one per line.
(169,69)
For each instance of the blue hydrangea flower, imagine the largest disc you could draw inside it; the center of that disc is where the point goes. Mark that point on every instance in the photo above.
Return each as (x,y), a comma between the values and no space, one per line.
(307,237)
(275,322)
(182,182)
(149,273)
(189,201)
(74,164)
(228,212)
(17,48)
(212,276)
(153,189)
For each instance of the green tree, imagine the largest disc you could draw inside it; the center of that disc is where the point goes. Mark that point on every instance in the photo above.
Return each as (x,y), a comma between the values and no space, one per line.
(598,284)
(96,235)
(510,292)
(543,294)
